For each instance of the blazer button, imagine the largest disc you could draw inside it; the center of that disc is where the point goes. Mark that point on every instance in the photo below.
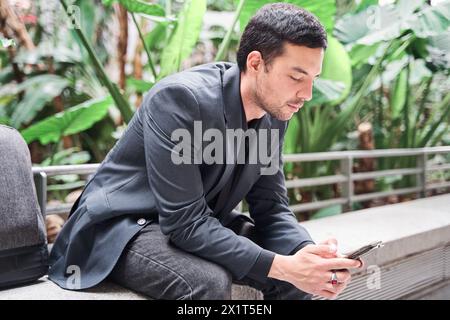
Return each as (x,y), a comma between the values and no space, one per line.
(141,221)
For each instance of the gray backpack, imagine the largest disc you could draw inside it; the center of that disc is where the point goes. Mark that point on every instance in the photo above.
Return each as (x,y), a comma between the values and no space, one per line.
(23,243)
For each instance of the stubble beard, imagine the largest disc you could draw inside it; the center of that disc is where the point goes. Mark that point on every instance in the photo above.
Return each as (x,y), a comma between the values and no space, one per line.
(274,111)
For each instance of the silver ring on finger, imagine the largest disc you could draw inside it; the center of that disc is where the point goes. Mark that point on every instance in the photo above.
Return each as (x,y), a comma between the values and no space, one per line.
(334,278)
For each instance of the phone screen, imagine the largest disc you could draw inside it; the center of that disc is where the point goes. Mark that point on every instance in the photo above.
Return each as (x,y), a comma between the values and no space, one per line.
(364,250)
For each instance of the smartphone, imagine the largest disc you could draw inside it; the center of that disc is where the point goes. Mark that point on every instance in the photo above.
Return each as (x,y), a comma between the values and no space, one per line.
(364,250)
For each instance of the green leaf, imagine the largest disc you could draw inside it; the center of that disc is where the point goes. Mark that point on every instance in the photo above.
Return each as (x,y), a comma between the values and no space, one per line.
(361,54)
(398,94)
(4,120)
(66,186)
(327,212)
(290,144)
(432,20)
(324,10)
(370,26)
(444,107)
(384,23)
(392,70)
(8,92)
(223,47)
(5,43)
(71,121)
(121,103)
(337,67)
(141,6)
(108,2)
(364,4)
(156,35)
(87,17)
(137,85)
(67,156)
(290,138)
(419,71)
(439,51)
(326,91)
(39,91)
(184,37)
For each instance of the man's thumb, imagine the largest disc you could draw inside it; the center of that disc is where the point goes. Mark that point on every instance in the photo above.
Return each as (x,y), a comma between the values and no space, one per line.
(322,249)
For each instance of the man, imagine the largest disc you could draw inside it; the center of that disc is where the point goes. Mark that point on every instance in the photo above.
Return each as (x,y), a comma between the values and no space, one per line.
(167,228)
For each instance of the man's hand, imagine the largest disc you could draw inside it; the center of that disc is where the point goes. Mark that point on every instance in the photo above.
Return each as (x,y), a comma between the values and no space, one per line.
(310,269)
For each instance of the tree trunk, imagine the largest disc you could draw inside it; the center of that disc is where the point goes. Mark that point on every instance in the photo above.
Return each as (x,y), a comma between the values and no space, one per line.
(12,27)
(122,45)
(138,69)
(366,142)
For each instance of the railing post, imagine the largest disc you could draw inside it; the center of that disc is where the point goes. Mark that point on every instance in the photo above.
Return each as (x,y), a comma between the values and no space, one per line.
(40,182)
(347,185)
(421,177)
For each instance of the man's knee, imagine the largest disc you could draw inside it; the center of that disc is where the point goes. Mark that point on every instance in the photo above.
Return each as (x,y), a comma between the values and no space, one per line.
(196,279)
(212,283)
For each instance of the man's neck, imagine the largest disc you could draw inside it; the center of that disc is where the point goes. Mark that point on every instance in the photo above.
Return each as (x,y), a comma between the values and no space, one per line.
(252,110)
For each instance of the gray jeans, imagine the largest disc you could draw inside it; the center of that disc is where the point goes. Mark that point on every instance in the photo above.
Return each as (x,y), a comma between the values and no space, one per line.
(151,265)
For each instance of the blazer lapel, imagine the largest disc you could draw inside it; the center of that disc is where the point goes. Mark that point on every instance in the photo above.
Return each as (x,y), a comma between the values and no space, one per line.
(249,174)
(232,111)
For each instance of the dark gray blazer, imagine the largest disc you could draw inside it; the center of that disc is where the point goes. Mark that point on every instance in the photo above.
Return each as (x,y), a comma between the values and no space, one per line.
(137,183)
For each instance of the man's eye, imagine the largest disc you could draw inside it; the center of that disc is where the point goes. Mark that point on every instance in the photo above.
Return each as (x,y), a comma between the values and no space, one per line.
(295,79)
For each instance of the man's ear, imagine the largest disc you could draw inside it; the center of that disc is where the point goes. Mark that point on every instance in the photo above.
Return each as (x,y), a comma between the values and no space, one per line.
(254,61)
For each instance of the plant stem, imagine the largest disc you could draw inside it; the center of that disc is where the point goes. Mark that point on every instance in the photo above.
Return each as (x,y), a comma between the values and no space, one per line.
(168,7)
(168,14)
(227,39)
(421,108)
(147,51)
(406,107)
(120,101)
(445,103)
(379,143)
(355,102)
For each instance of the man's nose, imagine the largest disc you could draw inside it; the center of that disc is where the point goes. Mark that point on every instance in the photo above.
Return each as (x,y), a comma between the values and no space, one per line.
(305,92)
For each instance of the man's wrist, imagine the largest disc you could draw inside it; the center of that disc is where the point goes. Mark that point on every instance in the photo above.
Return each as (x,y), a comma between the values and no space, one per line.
(301,246)
(278,268)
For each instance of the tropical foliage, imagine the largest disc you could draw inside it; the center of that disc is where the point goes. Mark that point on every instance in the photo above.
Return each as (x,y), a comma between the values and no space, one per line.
(76,73)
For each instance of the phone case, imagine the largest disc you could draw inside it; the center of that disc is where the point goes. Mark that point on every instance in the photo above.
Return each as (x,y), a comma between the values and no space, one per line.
(365,250)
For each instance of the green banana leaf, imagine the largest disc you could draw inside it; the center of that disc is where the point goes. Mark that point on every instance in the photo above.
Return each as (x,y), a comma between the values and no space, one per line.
(184,37)
(71,121)
(398,95)
(138,85)
(337,67)
(39,91)
(121,103)
(384,23)
(139,6)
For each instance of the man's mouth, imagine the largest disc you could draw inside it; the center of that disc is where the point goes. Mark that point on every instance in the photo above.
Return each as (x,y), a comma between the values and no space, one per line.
(295,107)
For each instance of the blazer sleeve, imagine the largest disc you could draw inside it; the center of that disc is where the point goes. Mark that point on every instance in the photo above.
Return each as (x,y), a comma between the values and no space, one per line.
(178,189)
(276,225)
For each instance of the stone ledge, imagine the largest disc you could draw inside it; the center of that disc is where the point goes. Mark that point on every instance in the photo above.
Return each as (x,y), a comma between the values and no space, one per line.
(44,289)
(416,255)
(406,228)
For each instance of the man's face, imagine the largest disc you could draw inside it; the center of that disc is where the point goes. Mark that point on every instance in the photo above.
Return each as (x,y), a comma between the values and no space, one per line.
(282,87)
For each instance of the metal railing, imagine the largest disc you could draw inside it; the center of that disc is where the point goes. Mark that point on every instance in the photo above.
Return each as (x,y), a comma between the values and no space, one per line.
(345,178)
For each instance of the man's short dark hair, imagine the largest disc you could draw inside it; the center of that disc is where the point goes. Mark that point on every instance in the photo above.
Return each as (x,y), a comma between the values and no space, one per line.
(274,25)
